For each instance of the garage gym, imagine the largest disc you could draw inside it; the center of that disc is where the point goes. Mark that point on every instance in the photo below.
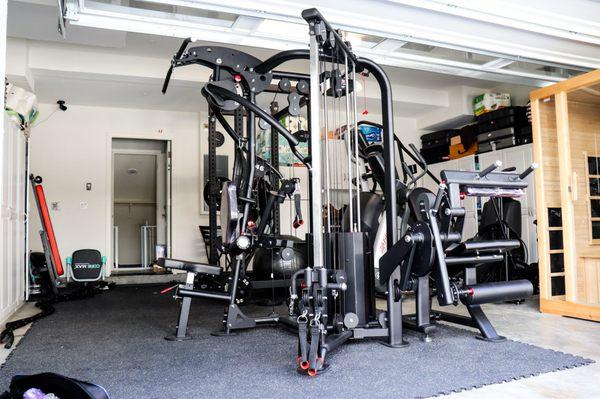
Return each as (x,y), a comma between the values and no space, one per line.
(270,199)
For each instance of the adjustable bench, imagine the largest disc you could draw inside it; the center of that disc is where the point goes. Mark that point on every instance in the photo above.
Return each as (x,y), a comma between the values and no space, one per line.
(187,291)
(188,266)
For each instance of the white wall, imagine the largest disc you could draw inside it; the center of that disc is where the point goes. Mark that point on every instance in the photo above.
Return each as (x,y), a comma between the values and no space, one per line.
(74,147)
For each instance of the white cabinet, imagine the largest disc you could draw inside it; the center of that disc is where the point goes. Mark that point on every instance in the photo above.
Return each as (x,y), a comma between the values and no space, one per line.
(521,157)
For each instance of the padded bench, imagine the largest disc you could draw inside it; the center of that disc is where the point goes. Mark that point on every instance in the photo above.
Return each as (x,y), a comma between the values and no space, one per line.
(470,248)
(192,267)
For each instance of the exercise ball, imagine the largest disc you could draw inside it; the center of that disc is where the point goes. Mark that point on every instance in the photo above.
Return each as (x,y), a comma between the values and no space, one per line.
(281,261)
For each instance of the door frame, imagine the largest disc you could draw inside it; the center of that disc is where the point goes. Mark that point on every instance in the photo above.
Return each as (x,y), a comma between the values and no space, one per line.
(110,189)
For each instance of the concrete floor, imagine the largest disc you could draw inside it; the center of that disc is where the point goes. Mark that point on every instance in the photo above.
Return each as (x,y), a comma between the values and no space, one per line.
(525,323)
(521,323)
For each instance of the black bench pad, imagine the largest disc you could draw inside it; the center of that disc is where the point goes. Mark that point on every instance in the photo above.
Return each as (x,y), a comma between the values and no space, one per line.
(469,248)
(188,266)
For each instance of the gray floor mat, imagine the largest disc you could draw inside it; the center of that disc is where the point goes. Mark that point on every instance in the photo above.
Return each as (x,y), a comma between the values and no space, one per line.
(116,340)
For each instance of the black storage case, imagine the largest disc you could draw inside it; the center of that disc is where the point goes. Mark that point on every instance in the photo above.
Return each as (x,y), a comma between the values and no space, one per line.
(502,118)
(435,147)
(498,144)
(496,135)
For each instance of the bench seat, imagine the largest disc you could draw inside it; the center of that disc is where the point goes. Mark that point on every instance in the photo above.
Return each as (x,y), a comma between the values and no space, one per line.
(188,266)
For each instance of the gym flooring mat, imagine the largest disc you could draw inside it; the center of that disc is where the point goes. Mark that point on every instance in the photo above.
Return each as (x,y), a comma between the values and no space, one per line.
(116,340)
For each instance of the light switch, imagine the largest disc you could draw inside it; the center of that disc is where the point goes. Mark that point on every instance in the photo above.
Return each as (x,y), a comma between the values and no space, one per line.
(88,186)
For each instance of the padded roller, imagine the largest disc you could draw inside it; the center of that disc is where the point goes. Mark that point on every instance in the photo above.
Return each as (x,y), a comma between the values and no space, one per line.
(497,292)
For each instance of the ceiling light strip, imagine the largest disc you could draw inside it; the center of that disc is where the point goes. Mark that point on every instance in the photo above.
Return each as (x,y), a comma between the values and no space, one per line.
(142,24)
(512,16)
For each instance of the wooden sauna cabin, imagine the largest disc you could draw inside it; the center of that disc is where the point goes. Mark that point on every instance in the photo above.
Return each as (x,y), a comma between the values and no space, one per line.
(566,136)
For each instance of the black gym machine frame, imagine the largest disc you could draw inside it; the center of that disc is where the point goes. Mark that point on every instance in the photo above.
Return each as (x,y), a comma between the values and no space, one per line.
(331,304)
(237,78)
(336,304)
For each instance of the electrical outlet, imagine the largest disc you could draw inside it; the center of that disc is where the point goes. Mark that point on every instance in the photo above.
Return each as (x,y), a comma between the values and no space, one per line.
(83,205)
(55,206)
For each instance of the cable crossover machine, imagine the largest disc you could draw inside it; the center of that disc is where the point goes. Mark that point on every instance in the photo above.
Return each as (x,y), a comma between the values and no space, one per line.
(333,300)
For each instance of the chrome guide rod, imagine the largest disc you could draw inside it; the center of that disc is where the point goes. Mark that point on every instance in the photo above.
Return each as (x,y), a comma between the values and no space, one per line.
(356,133)
(315,142)
(348,148)
(327,153)
(336,117)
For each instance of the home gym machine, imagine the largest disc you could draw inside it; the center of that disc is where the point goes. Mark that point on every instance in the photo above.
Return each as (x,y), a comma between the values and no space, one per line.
(335,301)
(249,202)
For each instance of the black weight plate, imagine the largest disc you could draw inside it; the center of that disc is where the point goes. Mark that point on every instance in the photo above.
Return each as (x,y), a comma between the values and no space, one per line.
(424,254)
(219,139)
(220,181)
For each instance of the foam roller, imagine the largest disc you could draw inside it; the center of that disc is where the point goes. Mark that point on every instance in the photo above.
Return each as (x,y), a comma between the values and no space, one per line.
(497,292)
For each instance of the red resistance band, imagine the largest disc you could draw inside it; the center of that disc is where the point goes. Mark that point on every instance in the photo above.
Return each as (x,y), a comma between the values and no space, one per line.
(39,190)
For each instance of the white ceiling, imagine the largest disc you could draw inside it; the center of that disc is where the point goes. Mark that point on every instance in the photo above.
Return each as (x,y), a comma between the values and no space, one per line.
(36,20)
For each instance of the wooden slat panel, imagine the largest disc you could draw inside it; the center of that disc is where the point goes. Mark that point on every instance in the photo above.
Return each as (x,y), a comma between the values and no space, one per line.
(542,125)
(584,127)
(591,280)
(566,185)
(571,309)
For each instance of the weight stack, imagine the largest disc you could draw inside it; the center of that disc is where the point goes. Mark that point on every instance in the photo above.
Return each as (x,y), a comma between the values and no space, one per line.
(350,252)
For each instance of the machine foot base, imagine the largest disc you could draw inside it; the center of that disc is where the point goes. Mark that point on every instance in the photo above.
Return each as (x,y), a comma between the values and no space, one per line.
(403,344)
(498,339)
(176,338)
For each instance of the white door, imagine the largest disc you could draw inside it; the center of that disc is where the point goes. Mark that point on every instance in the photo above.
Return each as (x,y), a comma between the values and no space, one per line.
(12,210)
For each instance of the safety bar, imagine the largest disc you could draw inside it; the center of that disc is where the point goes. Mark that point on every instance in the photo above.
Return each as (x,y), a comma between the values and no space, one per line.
(191,293)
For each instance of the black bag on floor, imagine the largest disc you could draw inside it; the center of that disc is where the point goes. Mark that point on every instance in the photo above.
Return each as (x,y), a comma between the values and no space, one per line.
(61,386)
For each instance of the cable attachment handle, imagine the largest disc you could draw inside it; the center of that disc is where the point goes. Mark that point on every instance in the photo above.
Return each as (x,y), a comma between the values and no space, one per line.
(489,169)
(298,220)
(528,171)
(316,321)
(303,318)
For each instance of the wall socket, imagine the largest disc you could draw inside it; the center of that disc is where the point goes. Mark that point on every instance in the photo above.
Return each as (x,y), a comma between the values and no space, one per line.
(55,206)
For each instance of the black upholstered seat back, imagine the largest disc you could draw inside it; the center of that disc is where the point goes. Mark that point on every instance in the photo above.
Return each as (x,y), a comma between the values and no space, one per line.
(371,208)
(86,264)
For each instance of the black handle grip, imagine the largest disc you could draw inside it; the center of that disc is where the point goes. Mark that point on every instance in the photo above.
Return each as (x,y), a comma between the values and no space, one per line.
(489,169)
(173,62)
(418,155)
(528,171)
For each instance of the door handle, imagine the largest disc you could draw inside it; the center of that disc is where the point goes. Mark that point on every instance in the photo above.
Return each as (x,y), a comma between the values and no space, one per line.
(574,189)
